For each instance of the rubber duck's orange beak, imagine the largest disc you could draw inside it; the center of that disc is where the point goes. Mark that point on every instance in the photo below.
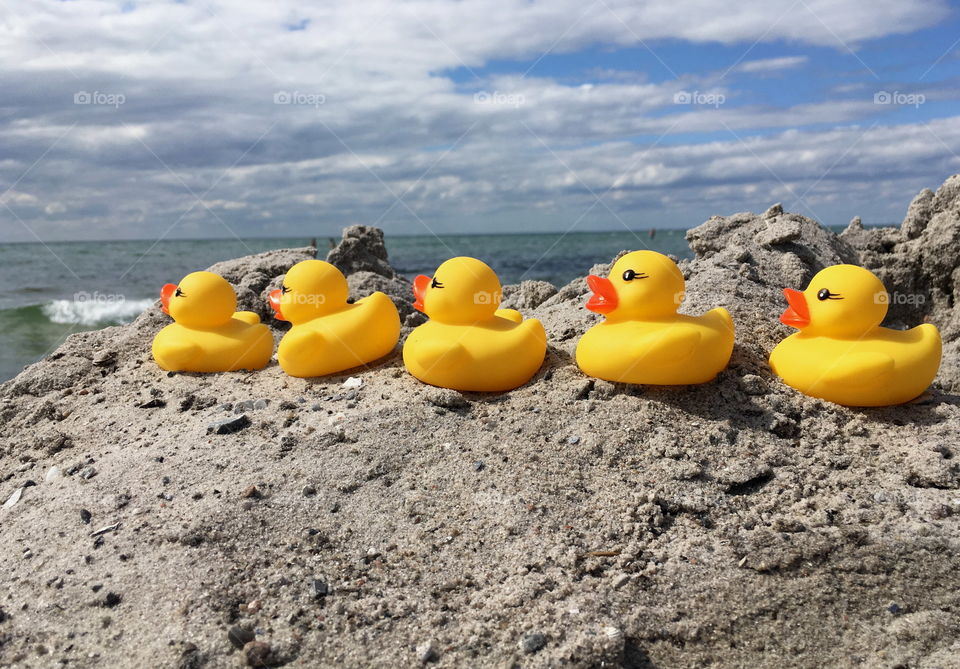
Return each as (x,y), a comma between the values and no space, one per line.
(797,314)
(420,285)
(165,294)
(604,298)
(275,296)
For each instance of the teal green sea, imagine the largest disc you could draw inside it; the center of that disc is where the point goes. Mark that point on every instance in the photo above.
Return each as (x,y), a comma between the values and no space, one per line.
(48,291)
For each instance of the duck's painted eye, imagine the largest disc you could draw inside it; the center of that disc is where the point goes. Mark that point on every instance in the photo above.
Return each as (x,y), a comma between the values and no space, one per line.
(825,294)
(435,283)
(284,290)
(179,293)
(630,275)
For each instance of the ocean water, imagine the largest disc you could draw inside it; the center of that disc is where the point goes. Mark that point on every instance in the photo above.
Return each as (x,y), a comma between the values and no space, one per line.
(49,291)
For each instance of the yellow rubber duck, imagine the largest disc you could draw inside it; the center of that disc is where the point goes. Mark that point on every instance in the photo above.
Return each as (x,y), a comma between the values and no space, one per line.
(468,343)
(209,335)
(643,339)
(330,335)
(841,353)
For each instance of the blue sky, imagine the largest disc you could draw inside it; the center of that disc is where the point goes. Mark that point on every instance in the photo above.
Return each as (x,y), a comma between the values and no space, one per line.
(205,119)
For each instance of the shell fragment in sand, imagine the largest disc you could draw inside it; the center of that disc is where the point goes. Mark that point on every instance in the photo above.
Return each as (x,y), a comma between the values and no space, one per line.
(13,499)
(105,529)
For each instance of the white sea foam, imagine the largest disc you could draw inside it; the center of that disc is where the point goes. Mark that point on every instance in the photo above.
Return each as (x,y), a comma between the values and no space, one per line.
(95,311)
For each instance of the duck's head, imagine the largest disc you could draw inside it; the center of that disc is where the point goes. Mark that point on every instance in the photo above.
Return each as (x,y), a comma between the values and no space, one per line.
(462,290)
(310,289)
(641,285)
(841,301)
(200,300)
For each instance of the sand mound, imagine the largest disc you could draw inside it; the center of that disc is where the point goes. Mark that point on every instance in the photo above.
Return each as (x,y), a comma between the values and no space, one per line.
(186,520)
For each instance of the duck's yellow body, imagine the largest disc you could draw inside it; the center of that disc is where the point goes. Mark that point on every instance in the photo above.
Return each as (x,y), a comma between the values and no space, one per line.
(842,354)
(499,354)
(328,334)
(676,351)
(209,335)
(469,344)
(643,340)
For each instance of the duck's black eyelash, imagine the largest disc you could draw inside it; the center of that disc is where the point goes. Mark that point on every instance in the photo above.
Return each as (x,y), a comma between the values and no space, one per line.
(179,293)
(630,275)
(435,283)
(284,290)
(825,294)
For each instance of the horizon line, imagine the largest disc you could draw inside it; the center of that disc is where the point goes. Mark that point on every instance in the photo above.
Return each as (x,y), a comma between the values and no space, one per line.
(396,234)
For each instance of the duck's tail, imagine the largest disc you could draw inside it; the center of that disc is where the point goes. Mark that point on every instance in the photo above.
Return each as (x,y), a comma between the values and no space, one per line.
(248,317)
(929,334)
(720,316)
(510,315)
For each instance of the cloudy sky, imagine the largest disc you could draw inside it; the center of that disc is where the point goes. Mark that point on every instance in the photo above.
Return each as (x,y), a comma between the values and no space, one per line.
(209,119)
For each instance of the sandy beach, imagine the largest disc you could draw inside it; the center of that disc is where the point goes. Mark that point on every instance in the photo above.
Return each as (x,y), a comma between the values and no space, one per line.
(365,519)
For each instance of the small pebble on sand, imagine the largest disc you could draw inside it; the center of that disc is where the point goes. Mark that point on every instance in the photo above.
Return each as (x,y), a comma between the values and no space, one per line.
(426,653)
(258,654)
(229,425)
(111,599)
(531,643)
(240,636)
(318,588)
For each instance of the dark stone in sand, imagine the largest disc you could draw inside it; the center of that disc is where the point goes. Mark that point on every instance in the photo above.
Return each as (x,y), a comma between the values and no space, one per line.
(318,588)
(155,403)
(240,636)
(531,643)
(111,599)
(229,425)
(258,654)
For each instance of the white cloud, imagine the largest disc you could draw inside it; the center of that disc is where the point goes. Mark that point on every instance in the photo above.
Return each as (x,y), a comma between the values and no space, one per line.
(14,197)
(227,205)
(772,64)
(372,113)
